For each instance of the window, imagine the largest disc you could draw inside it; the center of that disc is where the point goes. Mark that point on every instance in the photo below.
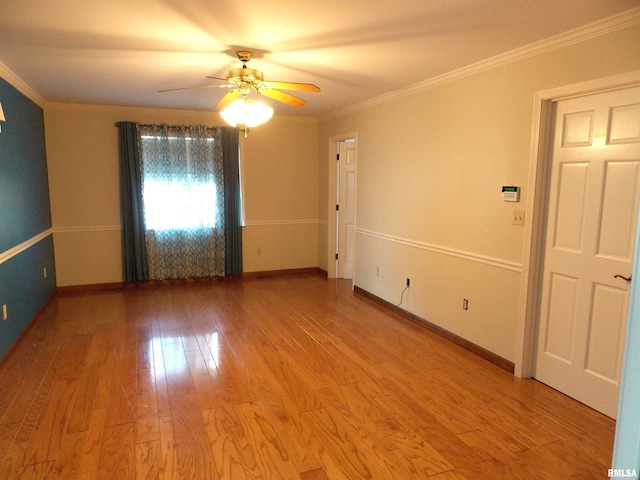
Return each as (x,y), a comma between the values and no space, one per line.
(178,200)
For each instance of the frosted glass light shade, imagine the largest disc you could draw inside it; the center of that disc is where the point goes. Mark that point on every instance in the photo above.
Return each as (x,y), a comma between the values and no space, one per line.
(246,112)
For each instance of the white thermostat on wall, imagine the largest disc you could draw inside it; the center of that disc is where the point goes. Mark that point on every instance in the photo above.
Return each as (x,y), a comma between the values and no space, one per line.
(510,193)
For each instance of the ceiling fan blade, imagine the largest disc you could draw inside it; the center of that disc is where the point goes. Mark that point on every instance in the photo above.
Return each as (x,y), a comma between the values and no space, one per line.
(194,88)
(303,87)
(227,99)
(216,78)
(283,97)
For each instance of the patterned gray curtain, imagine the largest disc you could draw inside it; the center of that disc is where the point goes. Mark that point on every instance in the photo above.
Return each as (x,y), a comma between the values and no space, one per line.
(183,188)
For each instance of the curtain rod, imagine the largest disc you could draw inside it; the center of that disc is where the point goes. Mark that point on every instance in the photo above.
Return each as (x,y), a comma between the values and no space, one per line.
(117,124)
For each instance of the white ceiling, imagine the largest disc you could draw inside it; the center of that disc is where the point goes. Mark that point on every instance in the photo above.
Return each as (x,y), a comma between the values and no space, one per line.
(121,52)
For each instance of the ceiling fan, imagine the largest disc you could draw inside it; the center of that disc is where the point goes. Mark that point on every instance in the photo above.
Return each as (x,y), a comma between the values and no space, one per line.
(242,81)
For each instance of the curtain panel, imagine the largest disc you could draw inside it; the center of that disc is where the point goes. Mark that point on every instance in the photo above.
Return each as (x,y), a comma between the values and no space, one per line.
(232,201)
(134,246)
(187,186)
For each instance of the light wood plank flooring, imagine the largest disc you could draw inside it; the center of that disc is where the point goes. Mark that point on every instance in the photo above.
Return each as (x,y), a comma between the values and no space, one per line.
(282,378)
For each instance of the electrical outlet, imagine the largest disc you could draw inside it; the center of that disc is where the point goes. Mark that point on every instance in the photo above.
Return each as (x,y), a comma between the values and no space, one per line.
(465,304)
(377,271)
(408,282)
(4,311)
(259,252)
(44,272)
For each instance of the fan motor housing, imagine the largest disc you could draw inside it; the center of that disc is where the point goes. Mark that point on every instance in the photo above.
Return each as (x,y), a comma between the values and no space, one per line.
(249,75)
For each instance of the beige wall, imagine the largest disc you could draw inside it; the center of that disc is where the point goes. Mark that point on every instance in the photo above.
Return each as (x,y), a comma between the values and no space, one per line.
(430,168)
(280,175)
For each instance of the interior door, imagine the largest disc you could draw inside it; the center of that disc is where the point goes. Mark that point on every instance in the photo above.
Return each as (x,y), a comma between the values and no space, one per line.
(591,220)
(346,209)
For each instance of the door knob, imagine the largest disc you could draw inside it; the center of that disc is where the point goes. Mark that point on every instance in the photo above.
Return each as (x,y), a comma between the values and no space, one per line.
(628,279)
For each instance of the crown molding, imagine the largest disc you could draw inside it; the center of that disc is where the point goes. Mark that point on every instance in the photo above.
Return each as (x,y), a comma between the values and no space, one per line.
(143,110)
(92,107)
(586,32)
(21,86)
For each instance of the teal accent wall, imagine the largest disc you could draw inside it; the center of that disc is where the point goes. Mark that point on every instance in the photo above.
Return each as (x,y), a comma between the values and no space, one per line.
(24,289)
(25,215)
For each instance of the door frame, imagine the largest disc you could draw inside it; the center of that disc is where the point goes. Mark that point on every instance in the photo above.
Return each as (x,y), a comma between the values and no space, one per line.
(332,216)
(537,198)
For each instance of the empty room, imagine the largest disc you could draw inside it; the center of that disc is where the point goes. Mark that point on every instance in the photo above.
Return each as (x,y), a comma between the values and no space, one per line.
(319,240)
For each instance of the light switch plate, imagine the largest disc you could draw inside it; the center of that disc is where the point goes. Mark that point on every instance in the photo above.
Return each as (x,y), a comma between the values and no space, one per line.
(518,217)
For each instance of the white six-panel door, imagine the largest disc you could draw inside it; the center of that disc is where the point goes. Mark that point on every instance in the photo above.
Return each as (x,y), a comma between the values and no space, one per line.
(346,213)
(593,208)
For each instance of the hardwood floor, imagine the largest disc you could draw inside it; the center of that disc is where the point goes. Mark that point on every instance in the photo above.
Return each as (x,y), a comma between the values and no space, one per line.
(282,378)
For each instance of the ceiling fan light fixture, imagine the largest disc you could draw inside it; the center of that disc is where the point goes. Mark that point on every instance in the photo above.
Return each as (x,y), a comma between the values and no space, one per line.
(246,112)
